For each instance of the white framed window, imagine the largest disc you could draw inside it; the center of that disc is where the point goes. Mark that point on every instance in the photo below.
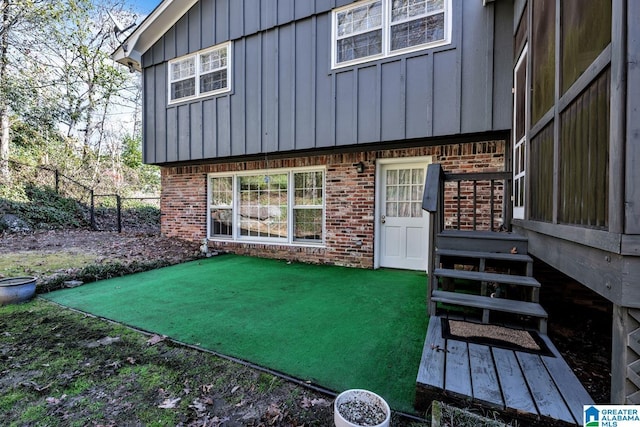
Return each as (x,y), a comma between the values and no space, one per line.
(199,74)
(375,29)
(283,206)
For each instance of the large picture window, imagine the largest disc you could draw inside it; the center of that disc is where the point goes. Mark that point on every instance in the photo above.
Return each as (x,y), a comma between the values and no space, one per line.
(284,206)
(374,29)
(203,73)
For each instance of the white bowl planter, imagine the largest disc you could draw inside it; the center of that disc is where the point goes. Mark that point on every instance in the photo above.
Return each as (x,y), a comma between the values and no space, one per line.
(359,408)
(17,289)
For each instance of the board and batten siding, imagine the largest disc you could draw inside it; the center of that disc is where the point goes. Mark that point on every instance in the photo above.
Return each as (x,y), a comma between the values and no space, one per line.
(285,96)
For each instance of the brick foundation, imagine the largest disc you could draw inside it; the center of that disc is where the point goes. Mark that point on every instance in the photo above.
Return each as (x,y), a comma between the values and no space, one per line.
(349,199)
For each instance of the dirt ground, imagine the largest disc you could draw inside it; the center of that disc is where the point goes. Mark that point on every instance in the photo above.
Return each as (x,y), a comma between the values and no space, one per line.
(106,246)
(211,391)
(62,368)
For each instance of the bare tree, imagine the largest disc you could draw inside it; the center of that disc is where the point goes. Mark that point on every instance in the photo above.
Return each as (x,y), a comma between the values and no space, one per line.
(55,69)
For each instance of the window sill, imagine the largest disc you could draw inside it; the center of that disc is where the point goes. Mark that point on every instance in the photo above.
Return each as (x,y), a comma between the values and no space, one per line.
(267,243)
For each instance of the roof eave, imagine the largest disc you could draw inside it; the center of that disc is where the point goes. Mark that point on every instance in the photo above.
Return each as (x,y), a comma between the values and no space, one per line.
(155,25)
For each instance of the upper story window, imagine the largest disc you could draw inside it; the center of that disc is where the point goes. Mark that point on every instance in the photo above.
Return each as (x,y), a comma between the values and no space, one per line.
(203,73)
(370,30)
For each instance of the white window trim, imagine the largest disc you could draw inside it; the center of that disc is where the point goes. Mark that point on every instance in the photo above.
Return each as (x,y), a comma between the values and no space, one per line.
(386,34)
(290,240)
(196,56)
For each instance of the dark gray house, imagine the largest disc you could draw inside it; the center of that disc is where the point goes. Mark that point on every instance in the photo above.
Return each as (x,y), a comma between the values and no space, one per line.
(303,130)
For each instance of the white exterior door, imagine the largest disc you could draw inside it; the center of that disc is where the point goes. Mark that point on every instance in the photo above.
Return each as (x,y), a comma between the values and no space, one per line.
(403,230)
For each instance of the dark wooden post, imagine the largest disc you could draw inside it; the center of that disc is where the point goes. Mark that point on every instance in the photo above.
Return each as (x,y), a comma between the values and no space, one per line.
(119,209)
(93,211)
(57,174)
(433,187)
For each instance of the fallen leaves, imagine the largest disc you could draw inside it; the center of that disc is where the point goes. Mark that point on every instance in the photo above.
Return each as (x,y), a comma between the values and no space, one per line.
(169,403)
(155,339)
(54,400)
(273,414)
(35,386)
(309,403)
(103,342)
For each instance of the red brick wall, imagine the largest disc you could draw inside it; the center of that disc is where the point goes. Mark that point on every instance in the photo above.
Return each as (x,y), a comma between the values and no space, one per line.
(349,199)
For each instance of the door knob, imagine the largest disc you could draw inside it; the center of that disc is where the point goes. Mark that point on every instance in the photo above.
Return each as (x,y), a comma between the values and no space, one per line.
(384,219)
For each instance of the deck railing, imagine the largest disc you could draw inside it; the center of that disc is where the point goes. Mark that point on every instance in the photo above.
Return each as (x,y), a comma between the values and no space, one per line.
(468,201)
(465,201)
(477,201)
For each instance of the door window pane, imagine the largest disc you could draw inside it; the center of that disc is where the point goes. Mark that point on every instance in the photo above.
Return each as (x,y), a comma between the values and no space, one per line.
(404,189)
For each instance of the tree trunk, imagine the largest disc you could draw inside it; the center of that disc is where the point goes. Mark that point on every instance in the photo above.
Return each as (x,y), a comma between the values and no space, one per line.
(4,109)
(4,143)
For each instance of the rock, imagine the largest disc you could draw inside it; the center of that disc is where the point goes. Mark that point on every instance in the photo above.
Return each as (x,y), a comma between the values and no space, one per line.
(13,224)
(73,283)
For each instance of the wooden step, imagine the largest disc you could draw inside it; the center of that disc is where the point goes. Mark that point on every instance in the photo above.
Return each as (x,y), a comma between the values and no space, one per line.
(487,277)
(492,304)
(499,256)
(497,304)
(484,241)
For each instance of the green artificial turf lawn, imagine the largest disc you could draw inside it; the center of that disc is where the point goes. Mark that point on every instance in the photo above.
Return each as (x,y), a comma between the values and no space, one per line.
(336,327)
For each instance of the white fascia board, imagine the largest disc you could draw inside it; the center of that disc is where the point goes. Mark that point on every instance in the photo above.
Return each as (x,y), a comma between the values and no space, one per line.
(149,31)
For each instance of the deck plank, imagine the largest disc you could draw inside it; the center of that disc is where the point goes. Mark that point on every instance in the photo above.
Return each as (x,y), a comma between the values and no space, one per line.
(500,256)
(533,388)
(457,377)
(570,387)
(545,393)
(497,304)
(514,387)
(431,370)
(480,276)
(484,379)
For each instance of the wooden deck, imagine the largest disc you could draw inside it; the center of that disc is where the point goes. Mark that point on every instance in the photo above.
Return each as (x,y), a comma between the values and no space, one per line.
(533,388)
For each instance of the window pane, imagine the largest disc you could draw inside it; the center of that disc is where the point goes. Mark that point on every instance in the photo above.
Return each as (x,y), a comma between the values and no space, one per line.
(213,60)
(263,205)
(222,191)
(405,176)
(183,88)
(183,69)
(309,188)
(392,209)
(416,192)
(416,210)
(221,222)
(417,176)
(358,19)
(392,193)
(586,31)
(213,81)
(307,224)
(404,209)
(360,46)
(392,177)
(543,57)
(435,5)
